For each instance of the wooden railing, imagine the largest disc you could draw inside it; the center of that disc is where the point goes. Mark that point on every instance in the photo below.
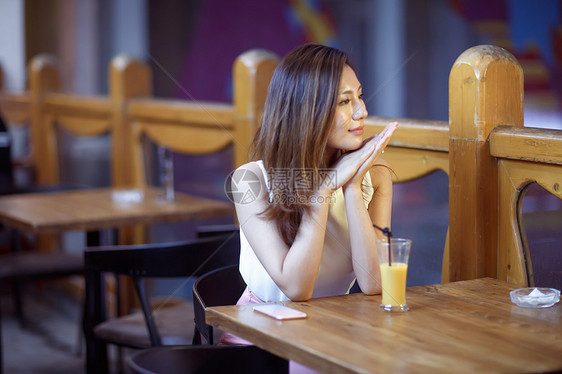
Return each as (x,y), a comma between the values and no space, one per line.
(484,149)
(128,112)
(490,159)
(524,156)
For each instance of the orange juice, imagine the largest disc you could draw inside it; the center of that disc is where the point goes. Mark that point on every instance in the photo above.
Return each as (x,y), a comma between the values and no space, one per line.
(394,283)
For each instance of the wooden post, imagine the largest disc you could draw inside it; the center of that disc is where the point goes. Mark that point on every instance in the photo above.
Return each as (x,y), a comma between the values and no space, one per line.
(485,90)
(44,77)
(252,73)
(128,78)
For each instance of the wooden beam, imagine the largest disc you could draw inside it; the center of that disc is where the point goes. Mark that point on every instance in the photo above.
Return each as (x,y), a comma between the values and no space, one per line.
(527,143)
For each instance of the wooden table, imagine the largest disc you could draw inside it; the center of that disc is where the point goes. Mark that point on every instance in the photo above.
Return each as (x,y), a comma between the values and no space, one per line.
(94,209)
(469,326)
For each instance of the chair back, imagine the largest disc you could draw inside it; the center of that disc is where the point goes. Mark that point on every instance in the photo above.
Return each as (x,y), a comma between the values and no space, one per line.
(160,260)
(206,359)
(219,287)
(172,259)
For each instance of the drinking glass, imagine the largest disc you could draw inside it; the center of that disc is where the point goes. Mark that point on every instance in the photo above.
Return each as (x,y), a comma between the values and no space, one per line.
(166,169)
(393,262)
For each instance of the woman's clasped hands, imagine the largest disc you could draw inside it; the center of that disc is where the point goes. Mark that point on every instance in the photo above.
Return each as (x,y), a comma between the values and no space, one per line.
(352,166)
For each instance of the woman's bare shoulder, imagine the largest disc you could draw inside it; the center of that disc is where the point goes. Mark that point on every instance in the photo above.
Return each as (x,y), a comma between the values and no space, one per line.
(250,170)
(249,180)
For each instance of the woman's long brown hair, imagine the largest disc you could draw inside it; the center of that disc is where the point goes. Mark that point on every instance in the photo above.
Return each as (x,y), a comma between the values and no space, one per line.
(297,120)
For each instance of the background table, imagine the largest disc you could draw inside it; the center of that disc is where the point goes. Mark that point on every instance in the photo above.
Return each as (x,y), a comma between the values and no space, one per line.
(94,209)
(469,326)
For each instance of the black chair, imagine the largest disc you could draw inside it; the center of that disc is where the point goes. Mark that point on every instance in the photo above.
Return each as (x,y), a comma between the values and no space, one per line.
(203,359)
(165,326)
(223,286)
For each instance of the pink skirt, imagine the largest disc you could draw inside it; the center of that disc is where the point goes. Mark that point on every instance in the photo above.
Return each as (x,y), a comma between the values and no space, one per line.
(247,298)
(229,339)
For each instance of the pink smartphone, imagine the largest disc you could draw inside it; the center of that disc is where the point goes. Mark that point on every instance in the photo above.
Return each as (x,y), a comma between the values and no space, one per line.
(279,312)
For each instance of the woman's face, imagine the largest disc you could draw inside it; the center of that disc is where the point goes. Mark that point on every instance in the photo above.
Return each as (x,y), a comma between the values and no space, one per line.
(347,130)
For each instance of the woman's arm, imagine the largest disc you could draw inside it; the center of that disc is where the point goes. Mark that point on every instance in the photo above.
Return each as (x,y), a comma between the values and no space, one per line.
(363,236)
(293,269)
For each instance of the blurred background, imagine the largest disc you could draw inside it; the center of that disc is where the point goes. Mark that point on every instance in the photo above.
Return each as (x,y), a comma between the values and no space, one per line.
(403,51)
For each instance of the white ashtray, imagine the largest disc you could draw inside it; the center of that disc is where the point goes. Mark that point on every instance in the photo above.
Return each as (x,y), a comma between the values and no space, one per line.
(535,297)
(127,196)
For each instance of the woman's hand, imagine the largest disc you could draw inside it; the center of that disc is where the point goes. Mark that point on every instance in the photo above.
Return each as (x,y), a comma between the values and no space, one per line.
(352,166)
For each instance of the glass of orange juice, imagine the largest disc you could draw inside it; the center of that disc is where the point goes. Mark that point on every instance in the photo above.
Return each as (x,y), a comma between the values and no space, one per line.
(393,262)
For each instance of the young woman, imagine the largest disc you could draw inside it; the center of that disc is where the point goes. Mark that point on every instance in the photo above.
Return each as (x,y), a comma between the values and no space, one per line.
(320,186)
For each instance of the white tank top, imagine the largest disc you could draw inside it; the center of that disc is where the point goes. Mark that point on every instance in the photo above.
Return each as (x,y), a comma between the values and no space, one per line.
(335,276)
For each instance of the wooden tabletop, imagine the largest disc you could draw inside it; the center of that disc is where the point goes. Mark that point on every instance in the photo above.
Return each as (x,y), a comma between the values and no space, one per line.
(94,209)
(469,326)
